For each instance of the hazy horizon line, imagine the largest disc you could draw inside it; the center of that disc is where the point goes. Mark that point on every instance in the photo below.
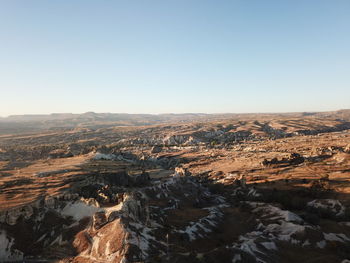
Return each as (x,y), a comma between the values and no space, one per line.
(166,113)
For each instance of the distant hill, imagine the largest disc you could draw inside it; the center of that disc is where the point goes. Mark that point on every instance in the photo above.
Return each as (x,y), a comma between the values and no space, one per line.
(92,120)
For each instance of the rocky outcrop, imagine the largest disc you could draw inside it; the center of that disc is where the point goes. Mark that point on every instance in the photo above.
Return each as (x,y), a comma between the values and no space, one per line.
(119,179)
(293,159)
(59,153)
(327,207)
(181,171)
(347,149)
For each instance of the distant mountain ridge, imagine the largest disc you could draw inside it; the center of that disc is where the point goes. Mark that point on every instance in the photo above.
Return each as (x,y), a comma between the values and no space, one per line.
(155,117)
(58,121)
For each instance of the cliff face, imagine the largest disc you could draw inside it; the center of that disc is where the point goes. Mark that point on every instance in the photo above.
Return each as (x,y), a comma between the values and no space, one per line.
(166,221)
(75,227)
(131,230)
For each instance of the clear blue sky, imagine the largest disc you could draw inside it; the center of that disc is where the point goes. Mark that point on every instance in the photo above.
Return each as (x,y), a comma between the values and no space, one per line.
(174,56)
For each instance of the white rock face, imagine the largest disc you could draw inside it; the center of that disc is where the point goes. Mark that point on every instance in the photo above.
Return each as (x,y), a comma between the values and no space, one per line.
(331,205)
(335,237)
(279,214)
(175,139)
(204,225)
(280,225)
(79,210)
(102,156)
(191,141)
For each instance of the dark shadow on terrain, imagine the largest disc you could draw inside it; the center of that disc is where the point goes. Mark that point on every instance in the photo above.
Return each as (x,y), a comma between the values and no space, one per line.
(15,165)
